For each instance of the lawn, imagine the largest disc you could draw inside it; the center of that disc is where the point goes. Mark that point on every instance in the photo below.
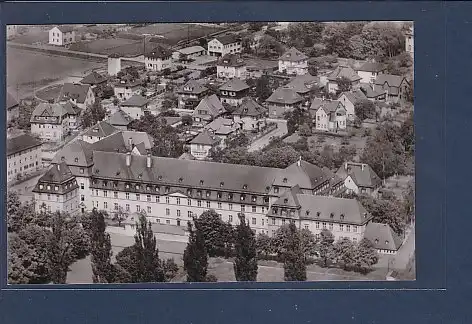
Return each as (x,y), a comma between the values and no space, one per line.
(120,46)
(318,141)
(49,93)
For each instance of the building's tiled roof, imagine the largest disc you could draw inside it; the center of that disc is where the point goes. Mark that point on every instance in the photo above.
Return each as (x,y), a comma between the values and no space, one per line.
(372,67)
(191,50)
(289,198)
(187,156)
(218,123)
(361,173)
(284,95)
(65,28)
(94,78)
(11,101)
(20,143)
(74,91)
(120,142)
(101,129)
(159,52)
(293,55)
(334,178)
(234,84)
(228,39)
(45,109)
(119,118)
(332,209)
(172,120)
(329,106)
(76,153)
(382,236)
(249,107)
(135,101)
(301,173)
(57,174)
(343,71)
(354,96)
(392,80)
(128,82)
(303,84)
(192,87)
(211,104)
(369,92)
(231,60)
(205,138)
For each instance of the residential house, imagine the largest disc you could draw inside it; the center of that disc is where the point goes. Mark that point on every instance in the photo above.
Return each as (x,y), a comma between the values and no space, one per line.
(395,87)
(359,178)
(57,190)
(190,94)
(120,119)
(282,100)
(293,62)
(222,45)
(349,100)
(61,35)
(329,115)
(158,59)
(13,111)
(223,128)
(191,52)
(209,108)
(305,85)
(136,106)
(173,121)
(12,31)
(74,114)
(343,72)
(250,115)
(98,131)
(410,41)
(94,79)
(383,238)
(233,91)
(23,156)
(231,66)
(80,95)
(369,71)
(371,94)
(50,121)
(201,145)
(126,88)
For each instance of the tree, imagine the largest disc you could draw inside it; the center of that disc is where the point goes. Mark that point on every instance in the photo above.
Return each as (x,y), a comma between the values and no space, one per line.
(343,252)
(187,120)
(263,245)
(93,114)
(214,232)
(409,199)
(195,255)
(325,247)
(386,211)
(100,248)
(295,118)
(364,109)
(141,260)
(170,269)
(335,37)
(269,47)
(28,256)
(407,134)
(344,84)
(240,140)
(245,263)
(120,215)
(69,242)
(364,256)
(293,256)
(255,26)
(280,241)
(263,90)
(302,35)
(382,39)
(18,214)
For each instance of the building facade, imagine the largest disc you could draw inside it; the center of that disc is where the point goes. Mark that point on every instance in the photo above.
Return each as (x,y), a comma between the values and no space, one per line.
(23,156)
(233,92)
(61,35)
(158,59)
(231,66)
(190,95)
(125,89)
(293,62)
(282,100)
(50,121)
(222,45)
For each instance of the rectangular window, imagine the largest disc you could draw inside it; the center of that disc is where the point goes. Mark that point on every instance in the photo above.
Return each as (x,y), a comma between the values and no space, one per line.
(253,209)
(354,229)
(105,205)
(189,214)
(306,226)
(149,209)
(105,193)
(189,202)
(330,226)
(199,203)
(127,207)
(82,197)
(230,206)
(116,206)
(178,212)
(341,227)
(219,205)
(243,208)
(148,197)
(178,201)
(158,199)
(138,208)
(167,211)
(324,225)
(317,225)
(283,221)
(138,197)
(82,185)
(230,218)
(115,194)
(253,221)
(208,204)
(96,192)
(348,228)
(167,200)
(127,195)
(168,221)
(273,221)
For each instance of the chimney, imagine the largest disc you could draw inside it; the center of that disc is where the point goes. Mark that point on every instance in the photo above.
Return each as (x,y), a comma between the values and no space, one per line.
(130,142)
(362,166)
(58,167)
(148,160)
(128,159)
(345,165)
(299,163)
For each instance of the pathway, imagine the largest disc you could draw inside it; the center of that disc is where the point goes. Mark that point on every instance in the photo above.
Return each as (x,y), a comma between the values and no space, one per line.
(262,142)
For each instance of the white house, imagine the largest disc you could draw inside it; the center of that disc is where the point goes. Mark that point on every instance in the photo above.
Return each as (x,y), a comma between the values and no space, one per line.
(201,145)
(23,156)
(329,115)
(359,178)
(61,35)
(80,95)
(209,108)
(349,100)
(98,131)
(50,121)
(125,89)
(231,66)
(233,91)
(158,59)
(189,52)
(250,115)
(383,238)
(369,71)
(222,45)
(293,62)
(136,106)
(343,72)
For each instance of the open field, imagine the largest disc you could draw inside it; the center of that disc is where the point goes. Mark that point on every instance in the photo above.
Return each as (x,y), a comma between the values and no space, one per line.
(318,141)
(49,93)
(121,46)
(27,70)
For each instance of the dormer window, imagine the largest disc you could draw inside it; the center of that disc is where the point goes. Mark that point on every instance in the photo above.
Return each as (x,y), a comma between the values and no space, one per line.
(284,180)
(243,197)
(105,183)
(63,158)
(137,187)
(148,188)
(208,193)
(159,178)
(56,188)
(41,186)
(140,176)
(245,186)
(76,160)
(199,193)
(318,214)
(376,241)
(219,195)
(386,242)
(48,187)
(365,215)
(342,216)
(115,184)
(158,188)
(254,198)
(201,182)
(331,215)
(222,184)
(276,189)
(285,201)
(230,196)
(268,188)
(167,189)
(181,179)
(307,212)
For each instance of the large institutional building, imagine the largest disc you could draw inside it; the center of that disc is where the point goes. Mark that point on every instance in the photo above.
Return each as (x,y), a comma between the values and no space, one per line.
(118,172)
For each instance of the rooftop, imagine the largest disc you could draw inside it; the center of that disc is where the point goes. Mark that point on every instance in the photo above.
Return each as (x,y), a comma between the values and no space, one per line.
(192,87)
(228,39)
(159,52)
(135,101)
(94,78)
(382,236)
(343,71)
(285,95)
(205,138)
(101,129)
(75,91)
(372,67)
(119,118)
(65,28)
(234,84)
(293,55)
(390,79)
(249,107)
(361,173)
(303,84)
(11,101)
(210,104)
(191,50)
(232,60)
(20,143)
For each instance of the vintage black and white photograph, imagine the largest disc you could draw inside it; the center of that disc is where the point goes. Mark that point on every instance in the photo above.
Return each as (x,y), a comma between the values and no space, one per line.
(210,152)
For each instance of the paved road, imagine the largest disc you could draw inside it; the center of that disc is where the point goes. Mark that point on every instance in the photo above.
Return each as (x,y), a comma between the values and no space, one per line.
(24,188)
(405,252)
(260,143)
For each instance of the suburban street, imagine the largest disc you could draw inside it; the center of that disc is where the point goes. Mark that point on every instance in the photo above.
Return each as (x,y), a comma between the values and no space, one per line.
(280,131)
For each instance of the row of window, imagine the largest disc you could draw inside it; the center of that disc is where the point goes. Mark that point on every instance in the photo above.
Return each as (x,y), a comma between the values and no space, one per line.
(30,150)
(68,195)
(56,187)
